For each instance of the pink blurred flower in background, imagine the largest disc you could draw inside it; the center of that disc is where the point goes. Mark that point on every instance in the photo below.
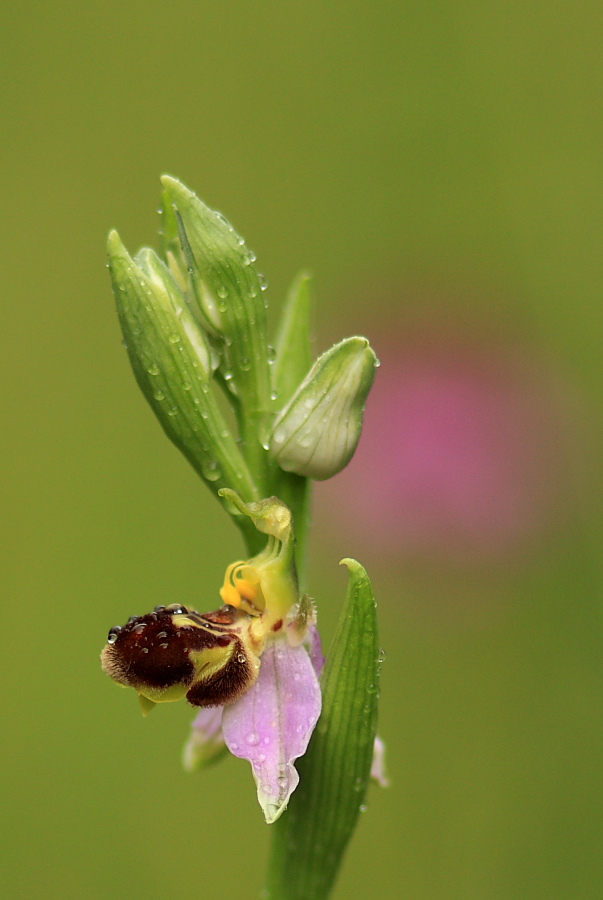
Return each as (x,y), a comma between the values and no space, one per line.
(459,451)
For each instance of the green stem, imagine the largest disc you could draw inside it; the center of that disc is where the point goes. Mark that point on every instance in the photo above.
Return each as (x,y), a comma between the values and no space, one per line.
(296,492)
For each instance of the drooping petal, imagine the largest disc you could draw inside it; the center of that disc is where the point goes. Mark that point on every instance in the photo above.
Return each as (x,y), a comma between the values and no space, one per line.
(378,769)
(272,723)
(206,742)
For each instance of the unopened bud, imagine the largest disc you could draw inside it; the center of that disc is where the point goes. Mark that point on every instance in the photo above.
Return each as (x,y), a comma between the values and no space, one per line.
(173,362)
(318,431)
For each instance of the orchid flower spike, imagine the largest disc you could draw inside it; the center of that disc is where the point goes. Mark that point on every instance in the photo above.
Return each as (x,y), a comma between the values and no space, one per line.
(252,666)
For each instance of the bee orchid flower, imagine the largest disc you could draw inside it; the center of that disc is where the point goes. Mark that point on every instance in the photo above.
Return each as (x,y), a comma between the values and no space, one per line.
(252,666)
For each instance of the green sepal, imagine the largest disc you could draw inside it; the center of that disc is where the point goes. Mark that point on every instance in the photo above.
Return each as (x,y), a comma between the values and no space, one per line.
(173,362)
(317,432)
(292,347)
(311,837)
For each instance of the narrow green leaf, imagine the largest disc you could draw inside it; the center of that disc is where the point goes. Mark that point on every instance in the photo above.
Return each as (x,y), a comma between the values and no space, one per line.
(311,837)
(293,352)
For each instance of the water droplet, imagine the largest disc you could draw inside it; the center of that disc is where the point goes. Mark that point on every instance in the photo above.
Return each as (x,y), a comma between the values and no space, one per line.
(253,738)
(263,282)
(159,395)
(241,658)
(245,364)
(211,471)
(153,369)
(273,396)
(222,292)
(271,354)
(381,655)
(113,634)
(278,437)
(227,376)
(186,385)
(172,411)
(261,757)
(310,402)
(145,649)
(173,338)
(362,807)
(234,745)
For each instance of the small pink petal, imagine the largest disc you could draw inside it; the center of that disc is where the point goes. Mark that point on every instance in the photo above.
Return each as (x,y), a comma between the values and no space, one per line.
(378,770)
(271,724)
(206,742)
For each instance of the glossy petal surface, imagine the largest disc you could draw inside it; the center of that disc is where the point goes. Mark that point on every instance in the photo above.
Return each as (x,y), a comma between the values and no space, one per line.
(272,723)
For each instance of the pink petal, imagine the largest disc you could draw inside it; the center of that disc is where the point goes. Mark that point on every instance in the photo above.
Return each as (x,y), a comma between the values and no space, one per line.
(272,723)
(206,742)
(378,770)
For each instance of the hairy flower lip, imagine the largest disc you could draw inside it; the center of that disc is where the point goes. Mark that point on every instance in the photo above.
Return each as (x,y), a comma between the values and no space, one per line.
(175,651)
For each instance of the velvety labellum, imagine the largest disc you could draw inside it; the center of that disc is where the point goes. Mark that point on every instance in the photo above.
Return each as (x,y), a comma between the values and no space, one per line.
(175,652)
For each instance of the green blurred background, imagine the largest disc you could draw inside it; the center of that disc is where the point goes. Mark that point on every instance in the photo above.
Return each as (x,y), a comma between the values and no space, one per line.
(437,167)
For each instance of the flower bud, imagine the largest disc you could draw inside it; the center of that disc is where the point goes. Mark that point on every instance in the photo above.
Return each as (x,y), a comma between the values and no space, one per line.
(226,287)
(316,434)
(173,363)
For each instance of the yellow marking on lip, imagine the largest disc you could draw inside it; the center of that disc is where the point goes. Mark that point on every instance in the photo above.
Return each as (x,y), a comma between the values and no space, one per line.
(184,621)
